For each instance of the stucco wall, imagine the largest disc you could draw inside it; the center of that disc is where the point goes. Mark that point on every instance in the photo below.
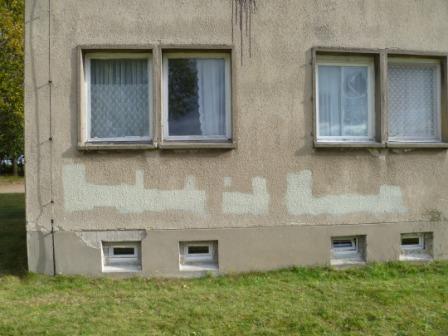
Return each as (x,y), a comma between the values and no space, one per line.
(274,177)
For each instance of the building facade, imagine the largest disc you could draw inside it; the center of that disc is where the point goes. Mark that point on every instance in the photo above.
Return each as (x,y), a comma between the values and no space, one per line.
(173,138)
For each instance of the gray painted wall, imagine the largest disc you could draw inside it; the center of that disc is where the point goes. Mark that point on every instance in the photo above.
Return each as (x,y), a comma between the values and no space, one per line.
(272,201)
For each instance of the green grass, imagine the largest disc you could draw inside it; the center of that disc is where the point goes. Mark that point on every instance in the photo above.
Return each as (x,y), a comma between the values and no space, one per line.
(12,234)
(382,299)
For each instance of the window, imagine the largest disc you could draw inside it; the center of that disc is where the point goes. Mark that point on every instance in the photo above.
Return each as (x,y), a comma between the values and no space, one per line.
(118,97)
(348,250)
(416,246)
(197,104)
(200,255)
(414,100)
(344,245)
(412,241)
(121,256)
(345,102)
(122,252)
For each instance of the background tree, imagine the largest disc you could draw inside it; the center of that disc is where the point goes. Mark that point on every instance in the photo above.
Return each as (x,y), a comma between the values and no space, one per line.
(11,79)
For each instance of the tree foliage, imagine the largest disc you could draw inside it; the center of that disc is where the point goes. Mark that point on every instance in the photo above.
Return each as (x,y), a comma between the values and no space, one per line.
(11,77)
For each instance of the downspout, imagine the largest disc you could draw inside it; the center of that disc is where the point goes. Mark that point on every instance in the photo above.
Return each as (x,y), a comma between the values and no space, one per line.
(50,138)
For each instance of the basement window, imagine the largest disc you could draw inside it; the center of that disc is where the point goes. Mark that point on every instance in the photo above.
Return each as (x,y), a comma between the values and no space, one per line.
(416,246)
(198,256)
(347,250)
(412,241)
(121,256)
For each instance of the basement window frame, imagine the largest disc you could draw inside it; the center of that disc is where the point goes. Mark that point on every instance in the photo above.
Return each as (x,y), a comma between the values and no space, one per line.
(114,263)
(198,257)
(355,254)
(419,246)
(353,248)
(85,55)
(201,261)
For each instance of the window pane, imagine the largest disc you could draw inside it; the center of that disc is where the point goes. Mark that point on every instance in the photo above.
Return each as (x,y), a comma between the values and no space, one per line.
(199,249)
(410,241)
(344,244)
(197,97)
(119,98)
(343,101)
(123,251)
(355,101)
(413,101)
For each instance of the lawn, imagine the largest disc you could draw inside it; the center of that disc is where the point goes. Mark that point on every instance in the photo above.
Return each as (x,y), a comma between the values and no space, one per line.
(382,299)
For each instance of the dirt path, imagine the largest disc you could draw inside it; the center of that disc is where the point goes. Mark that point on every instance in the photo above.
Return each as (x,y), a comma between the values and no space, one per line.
(11,188)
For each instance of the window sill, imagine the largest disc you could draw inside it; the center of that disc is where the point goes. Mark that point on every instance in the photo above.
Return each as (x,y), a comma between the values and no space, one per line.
(417,145)
(348,144)
(122,269)
(196,145)
(198,267)
(416,257)
(96,146)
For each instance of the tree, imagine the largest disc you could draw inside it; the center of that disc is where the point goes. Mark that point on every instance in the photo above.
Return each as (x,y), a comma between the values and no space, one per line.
(11,79)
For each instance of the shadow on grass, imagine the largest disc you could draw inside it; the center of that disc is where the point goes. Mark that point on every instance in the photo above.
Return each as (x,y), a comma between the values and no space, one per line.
(12,234)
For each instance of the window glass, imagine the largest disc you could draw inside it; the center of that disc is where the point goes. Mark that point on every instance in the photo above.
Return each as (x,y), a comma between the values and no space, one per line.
(413,101)
(119,98)
(197,97)
(198,249)
(348,244)
(123,251)
(343,101)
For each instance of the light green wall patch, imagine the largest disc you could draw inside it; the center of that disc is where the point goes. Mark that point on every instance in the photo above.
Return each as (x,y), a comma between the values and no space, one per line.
(79,195)
(300,199)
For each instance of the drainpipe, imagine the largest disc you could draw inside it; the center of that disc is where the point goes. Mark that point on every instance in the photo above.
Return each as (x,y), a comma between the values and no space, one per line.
(50,138)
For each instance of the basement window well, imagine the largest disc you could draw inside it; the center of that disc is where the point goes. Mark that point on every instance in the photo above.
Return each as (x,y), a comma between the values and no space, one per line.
(416,246)
(347,250)
(121,256)
(198,256)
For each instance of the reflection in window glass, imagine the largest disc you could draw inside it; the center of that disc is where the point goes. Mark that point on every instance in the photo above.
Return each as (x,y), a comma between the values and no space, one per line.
(196,97)
(343,101)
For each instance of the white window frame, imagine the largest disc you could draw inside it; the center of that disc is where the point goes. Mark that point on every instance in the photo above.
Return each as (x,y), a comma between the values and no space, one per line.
(345,250)
(347,61)
(437,98)
(120,263)
(419,246)
(198,257)
(87,76)
(165,94)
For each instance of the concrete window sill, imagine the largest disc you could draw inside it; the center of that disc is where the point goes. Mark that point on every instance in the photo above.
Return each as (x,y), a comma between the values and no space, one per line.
(441,145)
(416,257)
(91,146)
(122,269)
(198,267)
(347,144)
(196,145)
